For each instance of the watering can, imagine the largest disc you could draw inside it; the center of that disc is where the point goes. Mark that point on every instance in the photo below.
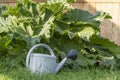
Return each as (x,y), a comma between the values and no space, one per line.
(44,63)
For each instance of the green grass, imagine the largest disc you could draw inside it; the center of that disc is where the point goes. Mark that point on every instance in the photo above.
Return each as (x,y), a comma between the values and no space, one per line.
(21,73)
(9,71)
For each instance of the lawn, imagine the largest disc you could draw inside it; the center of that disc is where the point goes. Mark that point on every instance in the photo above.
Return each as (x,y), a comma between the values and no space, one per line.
(21,73)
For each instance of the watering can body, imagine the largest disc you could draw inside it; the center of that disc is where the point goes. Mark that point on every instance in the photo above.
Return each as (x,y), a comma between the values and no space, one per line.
(40,63)
(43,63)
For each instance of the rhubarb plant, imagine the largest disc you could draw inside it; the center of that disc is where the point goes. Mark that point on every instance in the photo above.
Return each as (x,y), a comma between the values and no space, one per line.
(62,27)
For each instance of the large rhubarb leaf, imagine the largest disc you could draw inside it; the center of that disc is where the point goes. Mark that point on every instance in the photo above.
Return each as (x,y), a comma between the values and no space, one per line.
(77,15)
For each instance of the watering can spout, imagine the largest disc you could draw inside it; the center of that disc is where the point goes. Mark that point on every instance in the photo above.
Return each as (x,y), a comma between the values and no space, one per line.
(72,55)
(59,66)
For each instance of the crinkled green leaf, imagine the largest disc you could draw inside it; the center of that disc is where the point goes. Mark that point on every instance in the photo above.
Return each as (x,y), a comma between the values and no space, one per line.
(102,15)
(3,9)
(115,51)
(106,45)
(4,42)
(45,31)
(77,15)
(11,11)
(86,33)
(58,5)
(98,40)
(71,1)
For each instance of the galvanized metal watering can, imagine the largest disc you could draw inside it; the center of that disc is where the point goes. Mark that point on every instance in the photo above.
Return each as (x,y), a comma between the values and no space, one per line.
(44,63)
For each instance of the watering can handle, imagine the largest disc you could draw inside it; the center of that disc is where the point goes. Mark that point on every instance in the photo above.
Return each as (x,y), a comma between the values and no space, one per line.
(32,49)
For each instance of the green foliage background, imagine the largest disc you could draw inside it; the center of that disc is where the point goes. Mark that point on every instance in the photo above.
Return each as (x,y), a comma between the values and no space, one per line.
(59,25)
